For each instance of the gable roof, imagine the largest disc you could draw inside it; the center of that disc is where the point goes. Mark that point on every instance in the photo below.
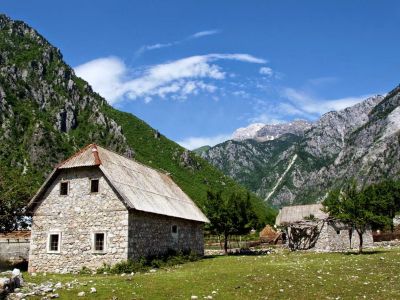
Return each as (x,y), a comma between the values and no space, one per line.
(297,213)
(141,188)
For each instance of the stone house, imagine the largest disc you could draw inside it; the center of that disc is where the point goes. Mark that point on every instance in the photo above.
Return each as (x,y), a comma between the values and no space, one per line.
(308,227)
(98,207)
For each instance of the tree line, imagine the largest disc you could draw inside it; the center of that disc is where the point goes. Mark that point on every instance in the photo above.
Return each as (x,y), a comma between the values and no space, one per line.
(373,206)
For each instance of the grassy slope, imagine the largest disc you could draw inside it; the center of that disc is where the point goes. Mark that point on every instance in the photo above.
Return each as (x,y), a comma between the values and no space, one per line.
(24,50)
(296,275)
(164,154)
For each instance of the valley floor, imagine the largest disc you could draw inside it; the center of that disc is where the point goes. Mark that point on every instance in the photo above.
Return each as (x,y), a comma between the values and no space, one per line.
(283,275)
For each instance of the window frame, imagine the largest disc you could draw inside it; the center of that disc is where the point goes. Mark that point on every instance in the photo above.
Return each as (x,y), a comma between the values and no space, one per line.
(174,234)
(104,251)
(98,185)
(51,233)
(60,189)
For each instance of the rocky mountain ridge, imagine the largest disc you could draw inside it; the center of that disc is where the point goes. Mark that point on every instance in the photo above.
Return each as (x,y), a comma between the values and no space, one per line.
(47,113)
(360,142)
(266,132)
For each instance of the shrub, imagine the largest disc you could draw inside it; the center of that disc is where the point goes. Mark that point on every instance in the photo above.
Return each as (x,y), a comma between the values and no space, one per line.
(169,259)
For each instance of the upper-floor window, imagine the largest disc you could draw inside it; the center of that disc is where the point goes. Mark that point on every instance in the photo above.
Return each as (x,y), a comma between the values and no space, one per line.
(94,185)
(64,188)
(174,229)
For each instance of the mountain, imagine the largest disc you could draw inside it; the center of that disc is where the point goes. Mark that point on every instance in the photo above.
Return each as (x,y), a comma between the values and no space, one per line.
(248,132)
(360,142)
(267,132)
(47,113)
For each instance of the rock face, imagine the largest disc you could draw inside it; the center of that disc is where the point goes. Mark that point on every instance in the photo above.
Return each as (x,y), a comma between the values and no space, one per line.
(362,141)
(42,102)
(271,132)
(267,132)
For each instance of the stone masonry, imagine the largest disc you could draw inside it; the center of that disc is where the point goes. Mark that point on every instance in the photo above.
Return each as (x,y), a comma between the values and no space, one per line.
(151,234)
(77,216)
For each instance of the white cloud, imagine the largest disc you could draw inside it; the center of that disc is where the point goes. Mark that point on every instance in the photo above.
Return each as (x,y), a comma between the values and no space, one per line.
(196,35)
(266,71)
(111,78)
(196,142)
(105,75)
(308,104)
(204,33)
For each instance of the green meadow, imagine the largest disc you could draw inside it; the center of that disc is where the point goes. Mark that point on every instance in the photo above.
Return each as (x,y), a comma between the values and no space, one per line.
(281,275)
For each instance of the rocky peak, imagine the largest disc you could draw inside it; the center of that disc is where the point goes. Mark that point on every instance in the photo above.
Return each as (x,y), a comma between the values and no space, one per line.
(274,131)
(248,132)
(328,135)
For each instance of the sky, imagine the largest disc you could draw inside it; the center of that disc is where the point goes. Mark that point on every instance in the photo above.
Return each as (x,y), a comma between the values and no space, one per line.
(198,70)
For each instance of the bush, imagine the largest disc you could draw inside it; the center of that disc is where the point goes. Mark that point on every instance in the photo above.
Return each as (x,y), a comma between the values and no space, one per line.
(171,258)
(85,271)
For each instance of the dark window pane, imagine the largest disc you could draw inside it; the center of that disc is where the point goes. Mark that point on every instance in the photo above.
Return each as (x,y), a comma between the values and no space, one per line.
(54,242)
(174,229)
(99,241)
(64,188)
(94,186)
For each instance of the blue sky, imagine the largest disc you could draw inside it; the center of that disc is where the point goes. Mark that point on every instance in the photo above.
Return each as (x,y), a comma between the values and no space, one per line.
(198,70)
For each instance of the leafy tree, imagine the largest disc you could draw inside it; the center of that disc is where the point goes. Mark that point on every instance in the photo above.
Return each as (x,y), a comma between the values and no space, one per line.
(384,198)
(15,191)
(355,208)
(230,215)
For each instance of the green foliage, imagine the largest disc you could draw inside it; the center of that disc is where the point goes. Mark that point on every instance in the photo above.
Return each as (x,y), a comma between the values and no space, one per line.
(171,258)
(15,190)
(194,179)
(233,215)
(84,271)
(371,206)
(30,140)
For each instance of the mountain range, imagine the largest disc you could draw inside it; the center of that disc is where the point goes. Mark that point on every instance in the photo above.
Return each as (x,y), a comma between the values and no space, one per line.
(301,166)
(47,113)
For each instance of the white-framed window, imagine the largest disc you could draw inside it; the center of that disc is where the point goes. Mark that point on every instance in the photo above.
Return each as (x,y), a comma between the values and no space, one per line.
(54,242)
(99,242)
(64,188)
(94,185)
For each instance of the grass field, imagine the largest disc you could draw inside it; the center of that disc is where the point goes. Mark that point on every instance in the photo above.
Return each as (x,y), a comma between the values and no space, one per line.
(284,275)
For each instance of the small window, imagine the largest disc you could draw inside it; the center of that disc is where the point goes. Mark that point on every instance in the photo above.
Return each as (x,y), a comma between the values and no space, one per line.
(54,242)
(174,229)
(99,242)
(94,186)
(64,188)
(337,231)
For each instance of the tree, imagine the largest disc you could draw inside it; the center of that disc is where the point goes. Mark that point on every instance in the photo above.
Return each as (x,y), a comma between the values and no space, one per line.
(229,215)
(15,191)
(356,208)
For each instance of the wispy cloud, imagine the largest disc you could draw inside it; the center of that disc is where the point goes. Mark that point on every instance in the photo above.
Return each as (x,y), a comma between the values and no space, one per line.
(306,103)
(156,46)
(112,79)
(196,142)
(204,33)
(267,71)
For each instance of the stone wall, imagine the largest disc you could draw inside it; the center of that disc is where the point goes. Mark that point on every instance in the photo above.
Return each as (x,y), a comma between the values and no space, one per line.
(151,234)
(77,216)
(14,246)
(336,236)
